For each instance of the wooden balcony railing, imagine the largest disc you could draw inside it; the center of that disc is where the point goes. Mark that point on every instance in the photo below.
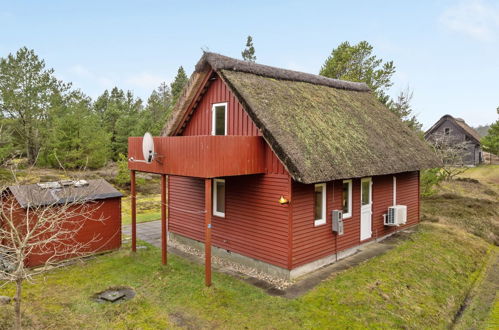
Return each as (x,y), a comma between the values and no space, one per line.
(201,156)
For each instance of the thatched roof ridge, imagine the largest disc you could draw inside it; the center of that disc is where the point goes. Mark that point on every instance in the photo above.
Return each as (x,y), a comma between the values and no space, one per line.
(220,62)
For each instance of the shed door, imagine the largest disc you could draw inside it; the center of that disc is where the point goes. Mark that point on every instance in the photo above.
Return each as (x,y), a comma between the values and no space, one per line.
(366,209)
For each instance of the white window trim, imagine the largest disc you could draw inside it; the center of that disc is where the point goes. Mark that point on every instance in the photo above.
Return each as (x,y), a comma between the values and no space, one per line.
(350,199)
(394,190)
(213,116)
(322,221)
(214,198)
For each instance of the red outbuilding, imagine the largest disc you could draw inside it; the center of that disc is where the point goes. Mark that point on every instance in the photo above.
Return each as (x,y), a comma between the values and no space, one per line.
(85,217)
(282,170)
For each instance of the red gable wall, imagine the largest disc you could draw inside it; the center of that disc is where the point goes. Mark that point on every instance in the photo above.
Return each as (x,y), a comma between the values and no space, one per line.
(255,224)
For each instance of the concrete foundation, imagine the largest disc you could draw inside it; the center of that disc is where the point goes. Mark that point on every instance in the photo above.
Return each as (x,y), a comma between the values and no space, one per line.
(270,269)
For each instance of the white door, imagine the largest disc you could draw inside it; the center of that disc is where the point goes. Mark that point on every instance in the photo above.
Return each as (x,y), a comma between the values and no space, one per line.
(366,210)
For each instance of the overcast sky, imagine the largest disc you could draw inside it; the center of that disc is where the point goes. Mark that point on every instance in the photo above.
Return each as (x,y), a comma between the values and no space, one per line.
(446,51)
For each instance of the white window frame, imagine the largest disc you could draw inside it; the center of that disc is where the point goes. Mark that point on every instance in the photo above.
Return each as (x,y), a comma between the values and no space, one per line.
(214,198)
(321,221)
(213,116)
(350,199)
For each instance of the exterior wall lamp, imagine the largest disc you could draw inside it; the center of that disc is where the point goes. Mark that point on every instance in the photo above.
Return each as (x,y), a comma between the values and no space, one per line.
(283,200)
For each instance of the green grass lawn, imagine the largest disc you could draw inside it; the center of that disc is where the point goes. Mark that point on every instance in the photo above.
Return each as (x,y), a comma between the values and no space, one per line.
(148,208)
(419,284)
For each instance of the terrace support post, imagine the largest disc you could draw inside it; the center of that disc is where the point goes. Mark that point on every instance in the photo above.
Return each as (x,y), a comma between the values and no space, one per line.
(207,231)
(133,200)
(163,221)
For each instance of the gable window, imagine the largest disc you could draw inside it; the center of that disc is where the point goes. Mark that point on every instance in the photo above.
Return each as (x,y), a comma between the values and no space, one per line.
(347,199)
(219,197)
(219,119)
(446,131)
(320,204)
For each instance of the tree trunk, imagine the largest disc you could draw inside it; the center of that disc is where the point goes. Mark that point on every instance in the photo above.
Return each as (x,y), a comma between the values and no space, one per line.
(17,307)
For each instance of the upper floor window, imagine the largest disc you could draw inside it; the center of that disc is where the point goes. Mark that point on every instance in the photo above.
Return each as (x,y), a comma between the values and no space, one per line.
(219,197)
(320,204)
(446,131)
(347,199)
(219,119)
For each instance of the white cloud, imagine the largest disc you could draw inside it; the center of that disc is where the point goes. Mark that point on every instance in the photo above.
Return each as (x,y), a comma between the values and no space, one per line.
(477,19)
(145,80)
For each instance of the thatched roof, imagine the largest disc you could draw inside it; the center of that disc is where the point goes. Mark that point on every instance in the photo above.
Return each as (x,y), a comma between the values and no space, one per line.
(34,195)
(321,129)
(460,123)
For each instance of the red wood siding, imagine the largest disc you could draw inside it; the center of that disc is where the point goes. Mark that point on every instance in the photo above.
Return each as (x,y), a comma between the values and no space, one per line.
(106,234)
(311,243)
(202,156)
(255,224)
(238,121)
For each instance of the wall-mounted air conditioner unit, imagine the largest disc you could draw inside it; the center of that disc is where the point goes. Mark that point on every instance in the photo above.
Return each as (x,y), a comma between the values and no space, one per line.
(396,216)
(338,222)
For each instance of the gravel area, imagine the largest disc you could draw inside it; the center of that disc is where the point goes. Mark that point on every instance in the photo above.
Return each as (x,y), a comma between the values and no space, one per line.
(233,268)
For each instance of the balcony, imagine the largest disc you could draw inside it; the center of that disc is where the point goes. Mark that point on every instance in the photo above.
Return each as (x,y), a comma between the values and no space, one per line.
(201,156)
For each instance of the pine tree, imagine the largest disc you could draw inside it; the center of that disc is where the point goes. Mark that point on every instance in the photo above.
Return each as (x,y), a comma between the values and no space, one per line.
(27,93)
(490,143)
(178,84)
(357,63)
(248,53)
(76,138)
(157,111)
(120,113)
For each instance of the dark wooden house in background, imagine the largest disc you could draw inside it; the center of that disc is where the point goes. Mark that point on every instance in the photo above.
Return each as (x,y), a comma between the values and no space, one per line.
(270,153)
(457,132)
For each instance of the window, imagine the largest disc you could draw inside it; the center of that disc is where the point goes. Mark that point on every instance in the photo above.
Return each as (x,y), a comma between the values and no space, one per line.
(219,197)
(347,199)
(365,192)
(446,131)
(219,119)
(320,204)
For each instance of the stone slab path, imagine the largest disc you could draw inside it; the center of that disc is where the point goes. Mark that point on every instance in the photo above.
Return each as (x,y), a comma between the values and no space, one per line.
(149,232)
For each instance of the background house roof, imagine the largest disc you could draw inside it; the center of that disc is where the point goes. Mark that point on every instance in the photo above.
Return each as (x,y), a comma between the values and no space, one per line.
(33,195)
(321,129)
(459,122)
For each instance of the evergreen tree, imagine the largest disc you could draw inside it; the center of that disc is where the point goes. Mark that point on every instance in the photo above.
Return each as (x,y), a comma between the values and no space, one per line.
(120,113)
(403,109)
(76,138)
(490,143)
(178,84)
(357,63)
(248,53)
(157,111)
(27,92)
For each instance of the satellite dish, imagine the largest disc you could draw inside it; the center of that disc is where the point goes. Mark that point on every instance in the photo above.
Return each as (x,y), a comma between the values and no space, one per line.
(148,148)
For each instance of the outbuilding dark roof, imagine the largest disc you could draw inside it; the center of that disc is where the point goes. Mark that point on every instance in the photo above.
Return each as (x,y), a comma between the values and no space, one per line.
(33,195)
(320,128)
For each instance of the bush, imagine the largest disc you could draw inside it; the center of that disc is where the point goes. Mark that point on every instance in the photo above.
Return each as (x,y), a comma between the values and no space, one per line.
(429,179)
(122,178)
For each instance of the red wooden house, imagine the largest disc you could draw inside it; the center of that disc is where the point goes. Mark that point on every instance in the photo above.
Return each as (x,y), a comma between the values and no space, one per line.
(271,153)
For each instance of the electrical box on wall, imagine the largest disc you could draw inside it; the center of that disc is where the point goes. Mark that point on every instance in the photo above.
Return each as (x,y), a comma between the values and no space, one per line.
(338,222)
